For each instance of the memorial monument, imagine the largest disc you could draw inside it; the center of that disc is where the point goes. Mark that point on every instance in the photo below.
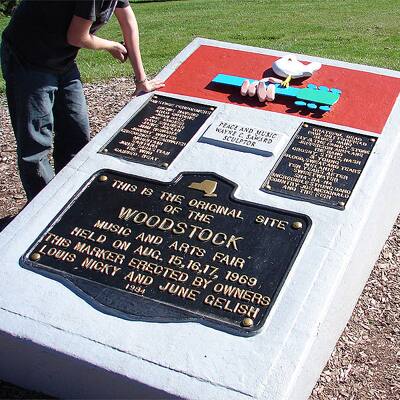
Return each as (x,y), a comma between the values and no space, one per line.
(206,244)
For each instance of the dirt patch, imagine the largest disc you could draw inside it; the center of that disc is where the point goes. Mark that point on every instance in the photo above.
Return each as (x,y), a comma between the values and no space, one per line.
(365,363)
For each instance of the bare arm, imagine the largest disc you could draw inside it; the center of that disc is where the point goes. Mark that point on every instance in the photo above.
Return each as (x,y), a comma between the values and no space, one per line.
(127,21)
(79,35)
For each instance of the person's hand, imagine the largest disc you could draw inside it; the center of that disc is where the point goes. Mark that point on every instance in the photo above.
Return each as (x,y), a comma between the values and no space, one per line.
(148,86)
(118,51)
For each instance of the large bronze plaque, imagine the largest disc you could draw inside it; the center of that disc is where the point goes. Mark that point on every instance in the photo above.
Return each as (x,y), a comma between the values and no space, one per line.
(159,131)
(321,165)
(178,251)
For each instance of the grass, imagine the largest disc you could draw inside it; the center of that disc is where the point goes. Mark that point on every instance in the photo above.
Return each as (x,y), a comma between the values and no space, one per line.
(359,31)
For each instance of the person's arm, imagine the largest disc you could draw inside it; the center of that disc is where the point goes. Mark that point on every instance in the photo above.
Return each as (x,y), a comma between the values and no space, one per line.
(79,35)
(127,21)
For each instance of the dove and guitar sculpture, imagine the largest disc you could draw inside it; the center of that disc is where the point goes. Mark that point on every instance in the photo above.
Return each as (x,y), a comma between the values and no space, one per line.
(313,97)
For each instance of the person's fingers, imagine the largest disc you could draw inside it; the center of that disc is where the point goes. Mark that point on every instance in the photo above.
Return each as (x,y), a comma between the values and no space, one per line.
(157,82)
(119,51)
(118,55)
(252,89)
(245,87)
(158,85)
(123,48)
(261,92)
(270,92)
(148,86)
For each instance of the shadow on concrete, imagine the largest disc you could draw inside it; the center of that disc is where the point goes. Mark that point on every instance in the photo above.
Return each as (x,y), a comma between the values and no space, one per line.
(9,391)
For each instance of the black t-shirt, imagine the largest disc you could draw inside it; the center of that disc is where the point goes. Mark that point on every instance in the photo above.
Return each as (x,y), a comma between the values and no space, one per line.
(37,32)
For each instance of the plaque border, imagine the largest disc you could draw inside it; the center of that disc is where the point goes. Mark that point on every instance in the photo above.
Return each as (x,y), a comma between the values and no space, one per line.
(83,287)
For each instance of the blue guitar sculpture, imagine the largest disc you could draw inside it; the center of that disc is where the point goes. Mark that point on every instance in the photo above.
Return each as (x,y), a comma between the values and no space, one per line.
(312,97)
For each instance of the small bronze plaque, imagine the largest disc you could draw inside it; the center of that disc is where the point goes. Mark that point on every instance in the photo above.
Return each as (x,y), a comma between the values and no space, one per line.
(159,131)
(321,165)
(178,251)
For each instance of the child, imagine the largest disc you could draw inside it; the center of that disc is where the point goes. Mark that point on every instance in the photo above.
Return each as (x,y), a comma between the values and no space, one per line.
(43,86)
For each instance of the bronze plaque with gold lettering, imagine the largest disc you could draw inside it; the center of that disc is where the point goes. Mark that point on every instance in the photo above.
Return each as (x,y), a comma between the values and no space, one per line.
(177,251)
(321,165)
(159,131)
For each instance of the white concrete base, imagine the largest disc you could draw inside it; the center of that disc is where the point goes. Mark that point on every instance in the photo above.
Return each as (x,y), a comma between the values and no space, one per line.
(42,369)
(53,341)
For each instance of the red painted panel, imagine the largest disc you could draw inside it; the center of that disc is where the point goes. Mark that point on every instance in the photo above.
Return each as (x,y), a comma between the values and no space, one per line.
(366,101)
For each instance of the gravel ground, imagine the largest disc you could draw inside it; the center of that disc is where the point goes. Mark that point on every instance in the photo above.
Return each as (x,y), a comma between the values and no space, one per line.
(365,363)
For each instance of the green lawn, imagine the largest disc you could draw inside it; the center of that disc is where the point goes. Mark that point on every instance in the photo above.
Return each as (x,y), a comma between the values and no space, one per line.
(361,31)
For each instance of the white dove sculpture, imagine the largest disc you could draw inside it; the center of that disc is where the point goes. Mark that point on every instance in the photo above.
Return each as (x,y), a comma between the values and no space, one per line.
(290,67)
(286,67)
